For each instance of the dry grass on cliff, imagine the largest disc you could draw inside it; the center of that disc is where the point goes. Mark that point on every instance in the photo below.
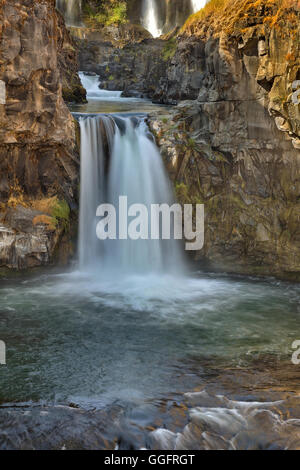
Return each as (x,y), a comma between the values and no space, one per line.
(54,210)
(45,220)
(223,15)
(45,205)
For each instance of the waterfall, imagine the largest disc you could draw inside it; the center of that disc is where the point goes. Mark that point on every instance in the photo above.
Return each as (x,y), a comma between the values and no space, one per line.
(134,168)
(161,16)
(71,9)
(92,150)
(198,5)
(150,19)
(92,85)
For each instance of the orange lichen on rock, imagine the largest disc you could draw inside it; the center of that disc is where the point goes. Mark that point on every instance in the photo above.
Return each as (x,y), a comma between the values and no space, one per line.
(223,15)
(16,197)
(45,205)
(45,220)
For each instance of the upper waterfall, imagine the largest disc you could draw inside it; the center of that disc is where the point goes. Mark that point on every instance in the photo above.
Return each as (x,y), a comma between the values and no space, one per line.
(156,16)
(150,19)
(72,10)
(198,4)
(161,16)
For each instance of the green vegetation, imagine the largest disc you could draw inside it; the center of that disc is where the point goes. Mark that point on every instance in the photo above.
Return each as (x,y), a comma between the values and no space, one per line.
(106,13)
(182,193)
(185,195)
(191,143)
(54,212)
(169,49)
(61,213)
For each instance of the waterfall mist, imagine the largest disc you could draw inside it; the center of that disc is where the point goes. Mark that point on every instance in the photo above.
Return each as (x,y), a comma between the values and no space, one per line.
(120,158)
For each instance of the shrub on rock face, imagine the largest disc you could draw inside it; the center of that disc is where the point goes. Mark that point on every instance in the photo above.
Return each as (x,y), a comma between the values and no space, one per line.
(105,13)
(55,209)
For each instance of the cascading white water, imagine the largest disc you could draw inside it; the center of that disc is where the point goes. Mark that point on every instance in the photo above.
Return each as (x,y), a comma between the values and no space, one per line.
(136,171)
(160,16)
(92,183)
(150,19)
(71,9)
(92,83)
(198,4)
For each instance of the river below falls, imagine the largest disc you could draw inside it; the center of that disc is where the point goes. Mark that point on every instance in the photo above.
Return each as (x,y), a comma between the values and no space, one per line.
(110,360)
(129,358)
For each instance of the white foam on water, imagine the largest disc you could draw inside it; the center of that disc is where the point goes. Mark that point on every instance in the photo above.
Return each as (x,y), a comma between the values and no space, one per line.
(92,85)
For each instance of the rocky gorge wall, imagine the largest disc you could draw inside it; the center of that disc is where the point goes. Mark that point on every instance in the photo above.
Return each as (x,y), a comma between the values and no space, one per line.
(103,46)
(232,142)
(38,158)
(234,145)
(97,14)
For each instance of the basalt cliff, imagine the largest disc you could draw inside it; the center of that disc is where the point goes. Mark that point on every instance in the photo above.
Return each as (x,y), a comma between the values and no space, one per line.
(234,143)
(233,140)
(38,157)
(230,137)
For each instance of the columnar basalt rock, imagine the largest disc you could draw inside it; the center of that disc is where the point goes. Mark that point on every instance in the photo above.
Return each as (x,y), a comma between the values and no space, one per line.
(234,146)
(72,88)
(233,141)
(38,159)
(125,68)
(125,55)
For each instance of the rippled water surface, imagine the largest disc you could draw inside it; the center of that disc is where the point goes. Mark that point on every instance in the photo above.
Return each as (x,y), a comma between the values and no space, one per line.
(107,359)
(95,339)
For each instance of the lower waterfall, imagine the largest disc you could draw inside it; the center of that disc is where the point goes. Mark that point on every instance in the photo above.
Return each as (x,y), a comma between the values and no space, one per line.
(120,158)
(92,183)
